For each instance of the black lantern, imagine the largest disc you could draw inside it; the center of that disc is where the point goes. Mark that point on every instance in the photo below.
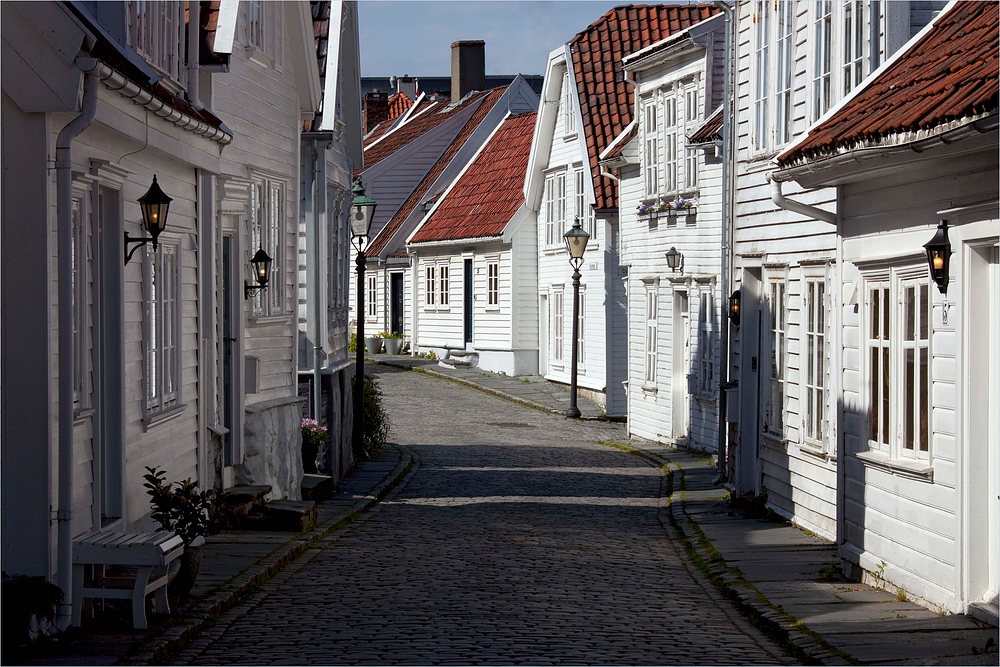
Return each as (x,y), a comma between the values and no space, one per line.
(938,256)
(576,240)
(154,206)
(262,272)
(734,308)
(675,260)
(362,211)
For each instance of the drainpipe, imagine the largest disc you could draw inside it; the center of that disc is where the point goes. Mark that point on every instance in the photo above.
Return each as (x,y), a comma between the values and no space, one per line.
(64,226)
(727,223)
(317,287)
(808,211)
(194,54)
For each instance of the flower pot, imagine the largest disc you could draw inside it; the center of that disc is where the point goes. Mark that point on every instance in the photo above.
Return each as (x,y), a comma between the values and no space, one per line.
(393,345)
(183,571)
(373,345)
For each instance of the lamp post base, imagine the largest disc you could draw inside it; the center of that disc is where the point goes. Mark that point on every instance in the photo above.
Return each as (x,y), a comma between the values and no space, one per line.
(573,412)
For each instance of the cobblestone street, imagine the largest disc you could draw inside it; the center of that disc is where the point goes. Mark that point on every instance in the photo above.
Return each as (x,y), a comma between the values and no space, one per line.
(518,538)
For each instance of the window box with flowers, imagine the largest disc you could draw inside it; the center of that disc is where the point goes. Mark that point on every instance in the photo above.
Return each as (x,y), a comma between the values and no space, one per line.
(671,210)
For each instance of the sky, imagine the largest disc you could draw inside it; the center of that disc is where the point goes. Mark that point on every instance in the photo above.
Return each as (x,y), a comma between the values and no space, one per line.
(414,36)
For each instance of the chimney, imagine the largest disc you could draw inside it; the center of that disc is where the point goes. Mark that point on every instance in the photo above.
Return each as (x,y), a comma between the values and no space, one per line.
(374,110)
(407,85)
(468,68)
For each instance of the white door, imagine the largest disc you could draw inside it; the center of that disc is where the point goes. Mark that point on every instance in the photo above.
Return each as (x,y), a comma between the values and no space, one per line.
(747,477)
(681,363)
(543,334)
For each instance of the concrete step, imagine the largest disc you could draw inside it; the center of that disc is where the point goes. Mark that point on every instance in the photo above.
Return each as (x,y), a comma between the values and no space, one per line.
(317,487)
(292,515)
(241,507)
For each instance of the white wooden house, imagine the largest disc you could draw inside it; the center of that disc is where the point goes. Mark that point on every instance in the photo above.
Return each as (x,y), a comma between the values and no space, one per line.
(671,201)
(474,260)
(794,62)
(918,404)
(159,360)
(586,105)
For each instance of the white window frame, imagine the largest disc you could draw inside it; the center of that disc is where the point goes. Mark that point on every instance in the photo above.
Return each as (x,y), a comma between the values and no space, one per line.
(555,208)
(707,331)
(263,32)
(761,129)
(672,139)
(430,287)
(650,146)
(692,118)
(493,284)
(156,30)
(568,108)
(847,46)
(775,422)
(821,85)
(582,208)
(82,278)
(371,299)
(889,427)
(444,285)
(815,359)
(556,326)
(581,322)
(651,343)
(162,328)
(268,224)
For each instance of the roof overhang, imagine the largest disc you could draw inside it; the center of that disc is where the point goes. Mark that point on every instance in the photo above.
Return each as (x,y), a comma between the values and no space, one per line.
(677,45)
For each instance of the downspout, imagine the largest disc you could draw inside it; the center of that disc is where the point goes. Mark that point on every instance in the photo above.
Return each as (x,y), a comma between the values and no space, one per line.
(808,211)
(727,223)
(317,291)
(194,54)
(64,244)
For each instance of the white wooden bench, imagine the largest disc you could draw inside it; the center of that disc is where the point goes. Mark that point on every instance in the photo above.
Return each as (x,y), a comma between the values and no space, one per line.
(141,550)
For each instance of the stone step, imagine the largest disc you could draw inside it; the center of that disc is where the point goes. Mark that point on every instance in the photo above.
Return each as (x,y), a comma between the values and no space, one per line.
(242,506)
(317,487)
(293,515)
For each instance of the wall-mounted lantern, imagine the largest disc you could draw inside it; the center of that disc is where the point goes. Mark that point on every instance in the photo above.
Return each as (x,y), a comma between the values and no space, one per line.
(734,308)
(938,256)
(261,271)
(675,260)
(154,206)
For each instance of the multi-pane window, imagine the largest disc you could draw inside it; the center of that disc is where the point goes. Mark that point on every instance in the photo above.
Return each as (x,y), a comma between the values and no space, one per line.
(263,29)
(706,343)
(853,40)
(651,147)
(651,334)
(493,284)
(161,331)
(555,208)
(568,108)
(372,297)
(822,56)
(581,328)
(762,74)
(156,32)
(692,117)
(556,325)
(267,226)
(582,209)
(671,167)
(814,359)
(783,81)
(430,285)
(898,356)
(775,400)
(444,287)
(82,275)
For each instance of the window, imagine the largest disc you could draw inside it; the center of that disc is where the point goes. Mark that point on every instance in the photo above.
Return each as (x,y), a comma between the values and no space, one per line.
(430,288)
(443,285)
(583,210)
(651,337)
(267,231)
(651,147)
(898,325)
(670,139)
(581,328)
(692,116)
(854,44)
(814,316)
(156,32)
(82,278)
(822,59)
(762,73)
(783,82)
(372,297)
(493,284)
(161,330)
(556,326)
(706,344)
(263,28)
(774,420)
(568,108)
(555,208)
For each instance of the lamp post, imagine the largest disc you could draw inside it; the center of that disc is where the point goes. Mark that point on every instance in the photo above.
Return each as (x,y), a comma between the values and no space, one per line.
(576,243)
(362,212)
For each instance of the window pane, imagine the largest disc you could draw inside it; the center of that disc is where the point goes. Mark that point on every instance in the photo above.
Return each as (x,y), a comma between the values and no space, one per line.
(924,400)
(885,395)
(908,398)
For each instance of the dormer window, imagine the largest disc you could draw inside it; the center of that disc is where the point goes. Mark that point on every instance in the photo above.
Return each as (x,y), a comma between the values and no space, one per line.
(263,31)
(156,32)
(568,109)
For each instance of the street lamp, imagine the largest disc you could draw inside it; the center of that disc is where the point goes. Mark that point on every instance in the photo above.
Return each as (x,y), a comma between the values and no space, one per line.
(576,244)
(154,206)
(362,212)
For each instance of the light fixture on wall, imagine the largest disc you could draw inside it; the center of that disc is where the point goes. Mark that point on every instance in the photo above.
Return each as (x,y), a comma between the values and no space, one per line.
(576,244)
(154,206)
(261,271)
(675,260)
(734,308)
(938,256)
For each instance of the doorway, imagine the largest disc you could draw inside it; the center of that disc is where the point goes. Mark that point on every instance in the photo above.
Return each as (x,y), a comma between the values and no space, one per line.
(396,303)
(680,405)
(230,455)
(747,477)
(467,306)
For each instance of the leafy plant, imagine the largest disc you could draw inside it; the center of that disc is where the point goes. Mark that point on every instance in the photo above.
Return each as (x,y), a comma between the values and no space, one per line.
(390,335)
(376,426)
(313,440)
(352,344)
(184,510)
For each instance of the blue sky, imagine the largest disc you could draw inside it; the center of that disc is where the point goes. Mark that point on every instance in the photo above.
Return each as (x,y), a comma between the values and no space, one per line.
(414,36)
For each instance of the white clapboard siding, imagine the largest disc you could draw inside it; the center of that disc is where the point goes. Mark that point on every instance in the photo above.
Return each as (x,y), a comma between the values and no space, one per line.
(524,268)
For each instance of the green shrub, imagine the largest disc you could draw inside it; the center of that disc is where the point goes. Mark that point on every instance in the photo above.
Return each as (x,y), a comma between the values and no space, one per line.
(185,510)
(376,426)
(352,345)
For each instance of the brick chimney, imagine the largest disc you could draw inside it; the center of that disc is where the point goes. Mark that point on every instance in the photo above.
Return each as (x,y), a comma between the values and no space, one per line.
(374,110)
(468,68)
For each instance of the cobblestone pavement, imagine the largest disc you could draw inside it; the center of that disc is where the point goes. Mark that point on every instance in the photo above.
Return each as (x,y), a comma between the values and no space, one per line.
(518,538)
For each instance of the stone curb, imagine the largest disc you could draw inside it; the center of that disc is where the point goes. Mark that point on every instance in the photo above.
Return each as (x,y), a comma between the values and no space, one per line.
(735,587)
(173,639)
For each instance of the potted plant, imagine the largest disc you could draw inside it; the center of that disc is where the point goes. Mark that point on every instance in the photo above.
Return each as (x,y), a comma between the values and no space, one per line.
(187,512)
(373,344)
(313,443)
(393,342)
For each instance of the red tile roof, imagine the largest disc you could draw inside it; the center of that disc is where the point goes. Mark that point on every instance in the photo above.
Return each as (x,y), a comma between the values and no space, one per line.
(950,74)
(710,130)
(605,98)
(384,237)
(398,104)
(488,194)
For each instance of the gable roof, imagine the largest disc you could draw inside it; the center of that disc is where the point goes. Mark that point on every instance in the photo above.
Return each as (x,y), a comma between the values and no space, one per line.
(398,105)
(605,97)
(485,198)
(384,237)
(949,74)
